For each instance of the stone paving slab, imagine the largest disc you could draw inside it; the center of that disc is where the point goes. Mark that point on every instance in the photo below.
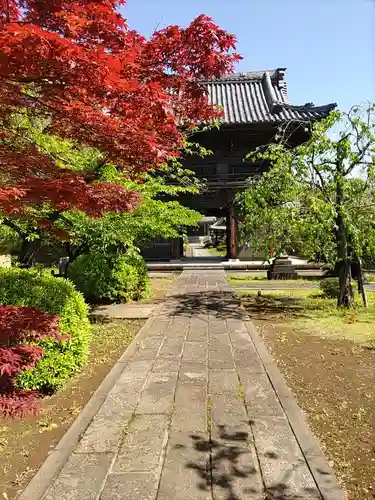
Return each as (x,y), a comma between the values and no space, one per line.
(81,478)
(105,431)
(193,416)
(283,466)
(158,394)
(142,445)
(196,409)
(130,486)
(235,471)
(186,473)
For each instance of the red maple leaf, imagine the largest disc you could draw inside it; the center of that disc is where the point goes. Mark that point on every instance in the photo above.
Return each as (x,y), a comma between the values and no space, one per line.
(77,63)
(26,324)
(20,329)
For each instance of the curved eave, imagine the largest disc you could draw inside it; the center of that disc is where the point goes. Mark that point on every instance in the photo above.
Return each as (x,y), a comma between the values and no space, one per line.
(260,98)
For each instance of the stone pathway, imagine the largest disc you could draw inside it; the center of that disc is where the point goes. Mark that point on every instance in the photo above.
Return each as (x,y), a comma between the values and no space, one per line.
(201,251)
(195,409)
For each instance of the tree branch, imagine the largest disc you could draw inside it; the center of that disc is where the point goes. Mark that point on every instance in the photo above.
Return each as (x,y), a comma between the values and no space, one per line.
(361,156)
(12,225)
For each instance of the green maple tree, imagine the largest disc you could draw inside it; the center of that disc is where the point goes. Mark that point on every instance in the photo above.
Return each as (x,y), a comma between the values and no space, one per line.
(74,231)
(318,197)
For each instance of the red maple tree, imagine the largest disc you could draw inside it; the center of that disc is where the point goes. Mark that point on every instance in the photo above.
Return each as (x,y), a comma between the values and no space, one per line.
(20,327)
(77,64)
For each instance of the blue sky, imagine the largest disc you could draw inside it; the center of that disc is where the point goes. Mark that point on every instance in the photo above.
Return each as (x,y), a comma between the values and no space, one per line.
(328,46)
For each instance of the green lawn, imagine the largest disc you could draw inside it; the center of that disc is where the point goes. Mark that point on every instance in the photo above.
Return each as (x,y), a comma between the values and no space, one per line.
(215,252)
(309,311)
(237,280)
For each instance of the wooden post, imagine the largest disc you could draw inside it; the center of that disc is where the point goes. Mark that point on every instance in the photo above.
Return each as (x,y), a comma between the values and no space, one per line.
(232,233)
(228,235)
(361,285)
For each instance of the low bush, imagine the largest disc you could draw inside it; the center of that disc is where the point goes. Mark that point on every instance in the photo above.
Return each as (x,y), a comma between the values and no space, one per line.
(62,356)
(330,288)
(110,278)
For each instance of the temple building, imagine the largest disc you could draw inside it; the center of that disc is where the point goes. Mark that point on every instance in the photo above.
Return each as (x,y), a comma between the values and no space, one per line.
(255,104)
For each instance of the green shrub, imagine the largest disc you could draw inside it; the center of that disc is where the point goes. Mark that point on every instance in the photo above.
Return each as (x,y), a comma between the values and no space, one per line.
(330,287)
(110,278)
(33,288)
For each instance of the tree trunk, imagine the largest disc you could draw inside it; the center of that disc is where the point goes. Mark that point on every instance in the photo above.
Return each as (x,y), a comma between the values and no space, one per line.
(361,286)
(346,290)
(28,253)
(345,278)
(74,251)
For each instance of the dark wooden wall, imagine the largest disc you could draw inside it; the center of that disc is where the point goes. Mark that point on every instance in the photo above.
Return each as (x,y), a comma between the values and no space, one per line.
(225,172)
(163,250)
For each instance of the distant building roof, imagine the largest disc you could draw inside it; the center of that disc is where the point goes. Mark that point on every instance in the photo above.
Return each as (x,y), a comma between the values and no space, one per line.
(260,97)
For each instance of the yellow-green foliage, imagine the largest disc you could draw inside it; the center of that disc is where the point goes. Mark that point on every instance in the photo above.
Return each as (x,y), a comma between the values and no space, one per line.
(112,278)
(32,288)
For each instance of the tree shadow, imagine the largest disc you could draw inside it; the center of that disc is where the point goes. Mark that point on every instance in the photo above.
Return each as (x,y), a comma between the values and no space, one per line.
(230,463)
(225,465)
(223,305)
(278,305)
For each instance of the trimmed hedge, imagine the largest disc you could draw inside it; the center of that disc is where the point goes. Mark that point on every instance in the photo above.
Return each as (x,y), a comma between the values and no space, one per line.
(330,287)
(110,278)
(57,296)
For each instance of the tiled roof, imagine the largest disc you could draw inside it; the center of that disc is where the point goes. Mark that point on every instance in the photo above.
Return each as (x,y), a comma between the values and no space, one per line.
(260,97)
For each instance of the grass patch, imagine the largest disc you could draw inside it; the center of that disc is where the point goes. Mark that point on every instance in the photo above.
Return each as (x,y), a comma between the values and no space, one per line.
(245,277)
(158,288)
(308,311)
(237,280)
(240,392)
(216,252)
(209,413)
(108,336)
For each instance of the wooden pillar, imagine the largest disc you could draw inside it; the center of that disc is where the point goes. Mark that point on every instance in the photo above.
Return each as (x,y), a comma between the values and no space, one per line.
(228,236)
(231,233)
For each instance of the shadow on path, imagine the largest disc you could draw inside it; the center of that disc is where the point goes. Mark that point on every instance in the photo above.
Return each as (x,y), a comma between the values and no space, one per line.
(230,464)
(224,305)
(225,466)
